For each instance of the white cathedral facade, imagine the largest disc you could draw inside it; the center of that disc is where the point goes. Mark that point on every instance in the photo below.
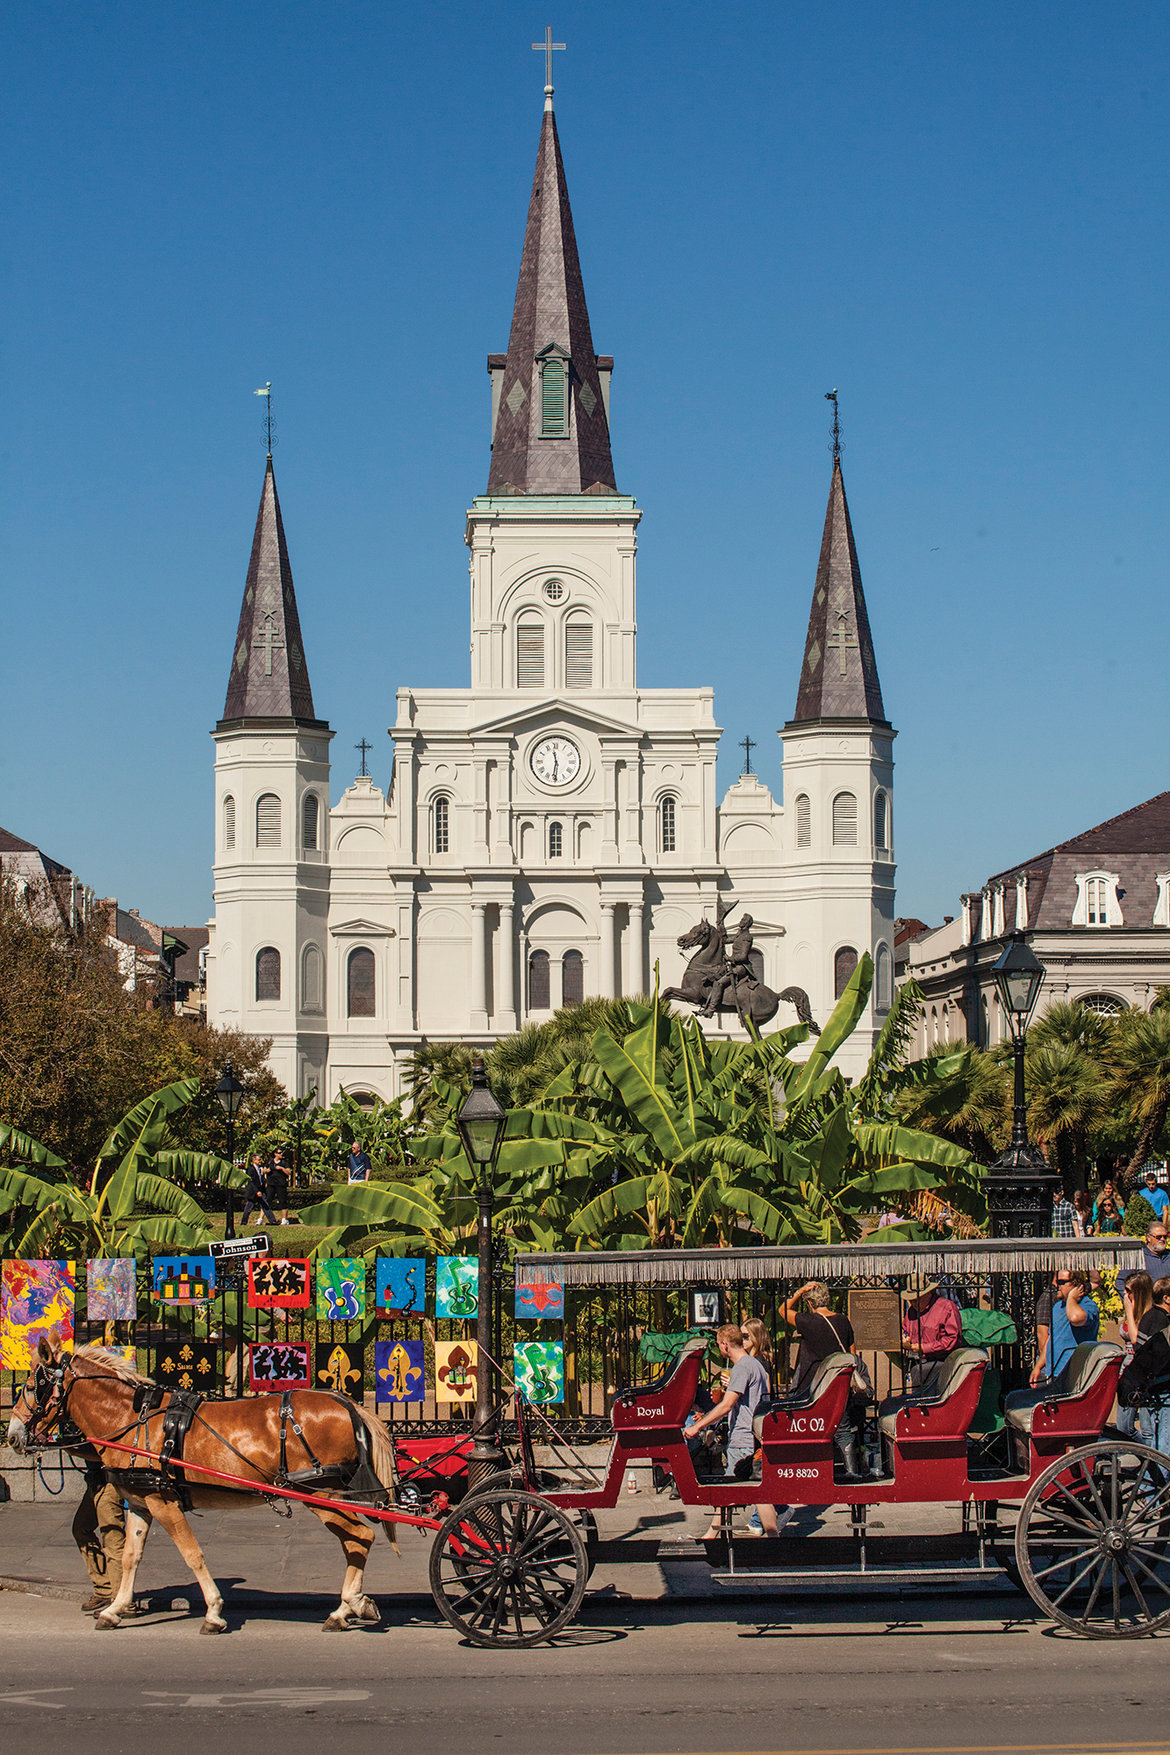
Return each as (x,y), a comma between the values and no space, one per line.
(552,830)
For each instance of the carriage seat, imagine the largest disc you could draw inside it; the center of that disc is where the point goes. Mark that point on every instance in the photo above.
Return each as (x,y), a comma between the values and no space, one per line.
(819,1386)
(668,1401)
(1077,1400)
(947,1408)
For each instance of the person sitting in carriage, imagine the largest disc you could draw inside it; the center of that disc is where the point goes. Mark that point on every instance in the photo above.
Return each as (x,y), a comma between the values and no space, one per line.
(932,1327)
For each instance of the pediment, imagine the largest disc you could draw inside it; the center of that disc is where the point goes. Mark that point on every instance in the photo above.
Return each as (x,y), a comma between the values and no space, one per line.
(362,929)
(562,709)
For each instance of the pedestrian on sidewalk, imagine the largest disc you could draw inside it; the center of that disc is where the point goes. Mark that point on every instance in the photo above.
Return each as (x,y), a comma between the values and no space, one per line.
(99,1529)
(276,1187)
(358,1163)
(256,1195)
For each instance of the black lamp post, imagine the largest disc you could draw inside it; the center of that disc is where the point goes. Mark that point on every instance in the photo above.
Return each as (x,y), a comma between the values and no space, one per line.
(481,1123)
(229,1091)
(1019,1186)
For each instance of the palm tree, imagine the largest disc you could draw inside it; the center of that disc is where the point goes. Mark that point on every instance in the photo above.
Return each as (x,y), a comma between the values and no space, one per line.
(961,1094)
(1139,1065)
(1067,1091)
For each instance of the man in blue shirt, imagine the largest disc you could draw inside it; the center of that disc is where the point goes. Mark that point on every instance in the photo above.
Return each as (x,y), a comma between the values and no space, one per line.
(358,1167)
(1156,1261)
(1075,1318)
(1154,1196)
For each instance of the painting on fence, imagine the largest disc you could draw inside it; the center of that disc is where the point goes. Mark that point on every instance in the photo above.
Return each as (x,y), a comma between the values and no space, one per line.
(128,1353)
(399,1371)
(184,1364)
(456,1369)
(111,1289)
(339,1366)
(456,1286)
(278,1364)
(539,1368)
(183,1279)
(341,1289)
(35,1296)
(276,1284)
(535,1302)
(400,1285)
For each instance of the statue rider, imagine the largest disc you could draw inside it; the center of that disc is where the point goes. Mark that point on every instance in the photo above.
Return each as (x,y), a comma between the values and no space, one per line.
(737,968)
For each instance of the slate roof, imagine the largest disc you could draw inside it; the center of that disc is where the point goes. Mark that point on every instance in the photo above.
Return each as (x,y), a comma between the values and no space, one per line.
(838,679)
(10,843)
(1136,843)
(550,308)
(269,678)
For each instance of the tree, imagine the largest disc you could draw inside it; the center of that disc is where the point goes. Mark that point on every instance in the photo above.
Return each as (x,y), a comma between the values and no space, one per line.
(1139,1067)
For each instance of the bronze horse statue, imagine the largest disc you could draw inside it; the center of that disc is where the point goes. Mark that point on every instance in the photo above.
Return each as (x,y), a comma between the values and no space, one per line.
(716,982)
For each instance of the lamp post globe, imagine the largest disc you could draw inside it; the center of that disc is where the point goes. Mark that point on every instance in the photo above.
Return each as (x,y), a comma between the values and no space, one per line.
(1019,1186)
(481,1122)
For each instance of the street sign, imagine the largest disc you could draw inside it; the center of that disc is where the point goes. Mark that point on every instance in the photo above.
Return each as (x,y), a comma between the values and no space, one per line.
(239,1248)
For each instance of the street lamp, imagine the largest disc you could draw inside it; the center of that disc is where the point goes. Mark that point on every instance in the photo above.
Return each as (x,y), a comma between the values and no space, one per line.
(1019,1186)
(481,1122)
(229,1091)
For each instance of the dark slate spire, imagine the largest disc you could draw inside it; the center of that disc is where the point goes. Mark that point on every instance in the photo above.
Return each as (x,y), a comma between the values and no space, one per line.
(269,677)
(550,313)
(839,678)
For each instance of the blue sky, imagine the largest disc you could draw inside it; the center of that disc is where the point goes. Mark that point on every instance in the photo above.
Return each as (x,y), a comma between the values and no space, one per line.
(955,215)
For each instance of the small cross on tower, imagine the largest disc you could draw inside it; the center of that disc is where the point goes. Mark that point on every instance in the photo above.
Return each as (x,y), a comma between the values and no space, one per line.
(365,749)
(842,640)
(271,642)
(747,745)
(548,46)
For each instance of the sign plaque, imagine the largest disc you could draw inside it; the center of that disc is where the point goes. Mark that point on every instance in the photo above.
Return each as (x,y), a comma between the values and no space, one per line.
(876,1316)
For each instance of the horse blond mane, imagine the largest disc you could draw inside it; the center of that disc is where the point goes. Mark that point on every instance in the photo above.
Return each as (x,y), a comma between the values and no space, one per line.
(381,1449)
(112,1364)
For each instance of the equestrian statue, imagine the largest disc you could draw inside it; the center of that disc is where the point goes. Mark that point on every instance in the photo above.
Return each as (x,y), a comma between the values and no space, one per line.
(720,977)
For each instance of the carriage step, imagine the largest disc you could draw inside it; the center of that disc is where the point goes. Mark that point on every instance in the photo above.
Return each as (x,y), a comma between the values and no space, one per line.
(893,1576)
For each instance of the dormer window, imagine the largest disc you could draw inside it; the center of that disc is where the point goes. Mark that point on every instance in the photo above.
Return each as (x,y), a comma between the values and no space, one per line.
(1097,902)
(553,363)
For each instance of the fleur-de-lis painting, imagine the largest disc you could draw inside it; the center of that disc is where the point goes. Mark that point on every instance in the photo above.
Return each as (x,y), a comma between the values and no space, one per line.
(399,1371)
(456,1370)
(339,1366)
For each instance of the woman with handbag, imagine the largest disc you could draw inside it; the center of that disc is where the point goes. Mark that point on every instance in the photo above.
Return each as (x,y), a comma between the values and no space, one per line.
(822,1331)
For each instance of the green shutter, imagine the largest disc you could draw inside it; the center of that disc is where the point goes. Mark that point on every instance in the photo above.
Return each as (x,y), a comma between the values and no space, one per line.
(552,398)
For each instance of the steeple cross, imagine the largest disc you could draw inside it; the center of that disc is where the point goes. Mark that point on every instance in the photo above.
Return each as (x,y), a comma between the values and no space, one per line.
(365,749)
(842,640)
(271,642)
(548,47)
(747,745)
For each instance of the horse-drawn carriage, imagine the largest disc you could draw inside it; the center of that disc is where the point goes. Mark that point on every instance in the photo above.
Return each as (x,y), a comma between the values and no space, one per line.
(1072,1509)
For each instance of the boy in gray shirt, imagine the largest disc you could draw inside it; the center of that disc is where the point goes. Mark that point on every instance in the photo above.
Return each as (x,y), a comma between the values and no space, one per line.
(747,1388)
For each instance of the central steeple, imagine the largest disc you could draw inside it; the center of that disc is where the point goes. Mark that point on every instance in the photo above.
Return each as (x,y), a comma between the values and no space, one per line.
(550,392)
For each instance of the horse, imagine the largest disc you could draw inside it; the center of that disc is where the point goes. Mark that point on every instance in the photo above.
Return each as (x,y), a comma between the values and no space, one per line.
(753,1000)
(110,1403)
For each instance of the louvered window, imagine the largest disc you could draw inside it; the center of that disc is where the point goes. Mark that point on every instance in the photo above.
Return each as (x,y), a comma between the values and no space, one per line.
(881,830)
(229,822)
(268,820)
(309,812)
(360,983)
(572,978)
(553,400)
(538,984)
(803,821)
(268,973)
(844,820)
(668,829)
(579,655)
(844,963)
(441,826)
(530,655)
(556,841)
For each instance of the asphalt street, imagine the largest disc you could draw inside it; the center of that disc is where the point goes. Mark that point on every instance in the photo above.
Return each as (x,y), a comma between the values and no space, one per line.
(939,1673)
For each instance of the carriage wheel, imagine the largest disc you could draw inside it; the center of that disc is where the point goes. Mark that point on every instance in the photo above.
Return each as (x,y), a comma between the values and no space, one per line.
(1092,1539)
(583,1521)
(508,1569)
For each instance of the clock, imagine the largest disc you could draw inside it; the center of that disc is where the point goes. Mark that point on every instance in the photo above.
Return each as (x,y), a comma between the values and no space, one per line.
(556,761)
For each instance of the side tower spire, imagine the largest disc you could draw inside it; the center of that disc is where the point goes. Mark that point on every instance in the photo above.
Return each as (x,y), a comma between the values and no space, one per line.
(550,391)
(269,677)
(839,677)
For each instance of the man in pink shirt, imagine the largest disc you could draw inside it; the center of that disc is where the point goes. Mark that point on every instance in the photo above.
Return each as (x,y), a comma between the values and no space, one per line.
(932,1327)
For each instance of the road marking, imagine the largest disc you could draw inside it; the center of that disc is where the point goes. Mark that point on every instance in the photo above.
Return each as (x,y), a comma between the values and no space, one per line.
(25,1697)
(293,1698)
(971,1749)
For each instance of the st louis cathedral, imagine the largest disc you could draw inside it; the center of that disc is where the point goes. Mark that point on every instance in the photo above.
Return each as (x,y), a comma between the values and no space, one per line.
(552,830)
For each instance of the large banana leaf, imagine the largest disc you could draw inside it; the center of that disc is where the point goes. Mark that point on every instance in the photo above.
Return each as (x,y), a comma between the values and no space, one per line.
(842,1022)
(160,1231)
(33,1191)
(631,1068)
(376,1203)
(160,1196)
(137,1137)
(198,1167)
(892,1140)
(29,1151)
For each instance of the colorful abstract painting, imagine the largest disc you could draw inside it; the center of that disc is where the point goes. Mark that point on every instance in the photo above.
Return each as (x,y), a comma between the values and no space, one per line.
(400,1285)
(278,1365)
(339,1365)
(111,1289)
(535,1302)
(399,1371)
(456,1286)
(35,1296)
(184,1364)
(539,1368)
(456,1369)
(276,1284)
(341,1289)
(183,1279)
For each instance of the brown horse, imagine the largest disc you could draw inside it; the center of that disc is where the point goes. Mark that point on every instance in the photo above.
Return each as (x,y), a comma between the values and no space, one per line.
(95,1390)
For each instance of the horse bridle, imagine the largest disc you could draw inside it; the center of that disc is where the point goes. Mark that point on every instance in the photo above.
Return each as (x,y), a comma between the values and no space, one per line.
(50,1398)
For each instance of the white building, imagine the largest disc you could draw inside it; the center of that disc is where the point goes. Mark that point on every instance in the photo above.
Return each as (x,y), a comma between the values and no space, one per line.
(552,829)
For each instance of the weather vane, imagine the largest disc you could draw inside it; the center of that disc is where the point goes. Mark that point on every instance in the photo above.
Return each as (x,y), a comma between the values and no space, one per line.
(546,48)
(831,396)
(269,423)
(365,749)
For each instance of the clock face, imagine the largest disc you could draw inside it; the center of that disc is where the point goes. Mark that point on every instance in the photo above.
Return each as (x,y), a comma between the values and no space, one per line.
(556,761)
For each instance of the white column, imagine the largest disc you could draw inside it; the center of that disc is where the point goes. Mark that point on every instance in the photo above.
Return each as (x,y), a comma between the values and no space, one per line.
(607,983)
(479,813)
(478,967)
(636,980)
(609,846)
(506,988)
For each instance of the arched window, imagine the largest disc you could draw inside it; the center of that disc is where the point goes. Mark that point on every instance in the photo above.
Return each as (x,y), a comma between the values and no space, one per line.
(554,400)
(556,841)
(579,653)
(229,822)
(844,963)
(803,821)
(530,653)
(441,825)
(667,826)
(359,983)
(881,828)
(844,820)
(268,820)
(312,979)
(1097,893)
(1106,1005)
(268,973)
(538,983)
(884,996)
(572,978)
(309,812)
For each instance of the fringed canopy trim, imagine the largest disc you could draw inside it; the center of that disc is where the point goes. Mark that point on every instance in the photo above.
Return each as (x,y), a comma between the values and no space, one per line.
(659,1267)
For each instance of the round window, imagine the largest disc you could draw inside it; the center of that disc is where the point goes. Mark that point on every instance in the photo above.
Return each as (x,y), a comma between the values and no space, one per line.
(554,590)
